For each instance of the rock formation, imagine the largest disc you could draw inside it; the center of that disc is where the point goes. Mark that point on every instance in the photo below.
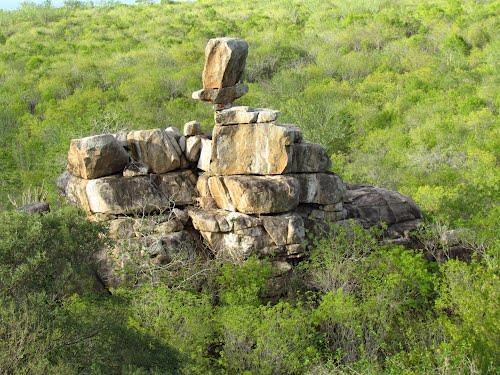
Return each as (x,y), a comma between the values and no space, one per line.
(255,187)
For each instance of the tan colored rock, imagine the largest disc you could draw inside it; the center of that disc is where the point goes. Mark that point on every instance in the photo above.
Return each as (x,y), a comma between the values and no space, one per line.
(192,128)
(123,195)
(307,157)
(202,185)
(74,188)
(245,115)
(216,220)
(205,154)
(320,188)
(251,149)
(207,203)
(236,247)
(255,194)
(224,62)
(176,188)
(221,96)
(284,229)
(193,148)
(96,156)
(156,149)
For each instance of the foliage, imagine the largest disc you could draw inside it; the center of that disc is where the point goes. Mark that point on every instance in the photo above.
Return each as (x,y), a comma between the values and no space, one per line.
(402,93)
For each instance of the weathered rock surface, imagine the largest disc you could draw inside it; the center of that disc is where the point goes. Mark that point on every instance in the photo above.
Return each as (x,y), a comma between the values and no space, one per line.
(255,194)
(251,149)
(177,188)
(192,128)
(193,148)
(123,195)
(320,188)
(117,195)
(236,236)
(135,169)
(245,115)
(155,148)
(372,205)
(224,62)
(96,156)
(205,154)
(221,96)
(307,157)
(286,229)
(75,190)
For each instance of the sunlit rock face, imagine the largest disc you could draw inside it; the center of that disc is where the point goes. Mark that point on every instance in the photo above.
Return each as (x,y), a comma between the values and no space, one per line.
(253,186)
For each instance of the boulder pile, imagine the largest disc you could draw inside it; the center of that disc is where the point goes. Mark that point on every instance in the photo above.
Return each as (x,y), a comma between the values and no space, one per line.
(252,186)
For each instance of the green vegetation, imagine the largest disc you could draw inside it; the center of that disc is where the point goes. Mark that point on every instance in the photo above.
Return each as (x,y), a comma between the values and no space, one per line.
(385,310)
(403,93)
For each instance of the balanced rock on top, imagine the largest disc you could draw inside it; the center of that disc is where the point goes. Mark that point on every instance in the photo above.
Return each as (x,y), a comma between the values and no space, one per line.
(224,65)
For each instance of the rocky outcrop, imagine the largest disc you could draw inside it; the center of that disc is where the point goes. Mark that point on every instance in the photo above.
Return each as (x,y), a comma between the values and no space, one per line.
(252,187)
(96,156)
(371,206)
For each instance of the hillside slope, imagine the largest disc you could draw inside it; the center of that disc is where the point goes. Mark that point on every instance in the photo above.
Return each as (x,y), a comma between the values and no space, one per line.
(403,94)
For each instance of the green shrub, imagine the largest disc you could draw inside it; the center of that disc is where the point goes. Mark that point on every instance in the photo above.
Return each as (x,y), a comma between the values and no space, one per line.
(50,253)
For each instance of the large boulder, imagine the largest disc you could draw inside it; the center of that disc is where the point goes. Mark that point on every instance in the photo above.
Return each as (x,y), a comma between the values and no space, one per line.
(255,194)
(155,148)
(372,205)
(236,236)
(96,156)
(118,195)
(251,149)
(245,115)
(217,220)
(124,195)
(224,62)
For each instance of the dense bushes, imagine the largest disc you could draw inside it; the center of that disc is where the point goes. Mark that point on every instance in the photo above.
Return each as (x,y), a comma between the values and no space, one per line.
(403,93)
(354,306)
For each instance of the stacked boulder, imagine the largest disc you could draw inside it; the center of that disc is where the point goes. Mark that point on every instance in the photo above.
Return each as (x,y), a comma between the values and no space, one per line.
(140,182)
(264,185)
(252,187)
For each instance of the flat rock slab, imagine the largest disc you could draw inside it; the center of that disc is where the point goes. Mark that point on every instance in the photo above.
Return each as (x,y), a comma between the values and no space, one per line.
(224,62)
(117,195)
(273,194)
(255,194)
(224,95)
(217,220)
(235,236)
(245,115)
(96,156)
(155,148)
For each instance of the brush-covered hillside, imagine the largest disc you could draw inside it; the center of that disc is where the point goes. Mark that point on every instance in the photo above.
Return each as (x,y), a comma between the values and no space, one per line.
(404,94)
